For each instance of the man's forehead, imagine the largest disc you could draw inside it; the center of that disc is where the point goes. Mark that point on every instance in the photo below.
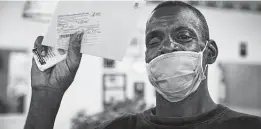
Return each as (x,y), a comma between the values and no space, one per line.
(169,16)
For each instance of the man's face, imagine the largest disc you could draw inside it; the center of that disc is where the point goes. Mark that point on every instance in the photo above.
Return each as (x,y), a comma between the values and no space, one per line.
(173,29)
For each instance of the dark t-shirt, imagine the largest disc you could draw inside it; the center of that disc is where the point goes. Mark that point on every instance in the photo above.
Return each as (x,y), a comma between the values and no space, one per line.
(219,118)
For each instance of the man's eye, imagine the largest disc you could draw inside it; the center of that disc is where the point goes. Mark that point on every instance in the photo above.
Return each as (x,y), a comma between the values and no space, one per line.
(183,37)
(154,41)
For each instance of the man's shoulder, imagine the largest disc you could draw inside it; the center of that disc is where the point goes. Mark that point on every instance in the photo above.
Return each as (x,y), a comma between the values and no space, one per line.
(124,121)
(239,120)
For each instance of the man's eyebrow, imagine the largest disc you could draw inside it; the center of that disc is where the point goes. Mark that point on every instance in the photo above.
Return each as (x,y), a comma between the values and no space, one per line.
(149,31)
(150,27)
(184,28)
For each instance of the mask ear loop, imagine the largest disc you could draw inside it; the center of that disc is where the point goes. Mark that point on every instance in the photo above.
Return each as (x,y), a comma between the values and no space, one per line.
(202,60)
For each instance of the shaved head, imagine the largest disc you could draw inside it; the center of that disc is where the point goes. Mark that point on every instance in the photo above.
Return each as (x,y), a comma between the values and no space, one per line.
(166,9)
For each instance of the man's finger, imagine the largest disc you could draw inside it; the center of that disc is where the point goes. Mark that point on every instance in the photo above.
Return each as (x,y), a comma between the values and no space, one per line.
(42,50)
(61,51)
(37,44)
(74,56)
(38,41)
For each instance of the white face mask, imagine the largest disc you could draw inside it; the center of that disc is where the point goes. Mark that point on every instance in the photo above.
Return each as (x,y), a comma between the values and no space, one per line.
(176,75)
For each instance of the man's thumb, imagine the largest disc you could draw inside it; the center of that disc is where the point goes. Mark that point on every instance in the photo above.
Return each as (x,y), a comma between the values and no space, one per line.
(74,55)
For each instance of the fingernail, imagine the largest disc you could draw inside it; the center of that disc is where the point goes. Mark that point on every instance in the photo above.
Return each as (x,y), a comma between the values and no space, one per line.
(82,33)
(79,32)
(79,35)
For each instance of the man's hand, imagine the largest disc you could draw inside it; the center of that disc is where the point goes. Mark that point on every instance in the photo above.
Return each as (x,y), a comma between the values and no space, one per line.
(48,87)
(60,76)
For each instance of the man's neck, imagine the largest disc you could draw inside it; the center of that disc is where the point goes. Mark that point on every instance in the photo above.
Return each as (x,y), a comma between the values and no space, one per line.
(196,103)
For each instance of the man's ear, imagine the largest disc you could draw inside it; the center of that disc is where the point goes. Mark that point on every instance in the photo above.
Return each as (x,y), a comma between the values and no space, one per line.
(212,52)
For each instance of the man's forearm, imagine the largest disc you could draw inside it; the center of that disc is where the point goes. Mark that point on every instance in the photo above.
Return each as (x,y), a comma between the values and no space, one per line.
(45,103)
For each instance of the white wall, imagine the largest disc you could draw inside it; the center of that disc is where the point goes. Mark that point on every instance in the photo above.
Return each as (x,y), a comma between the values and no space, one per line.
(15,31)
(227,28)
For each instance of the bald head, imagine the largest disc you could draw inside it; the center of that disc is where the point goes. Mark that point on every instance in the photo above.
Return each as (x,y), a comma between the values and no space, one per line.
(167,9)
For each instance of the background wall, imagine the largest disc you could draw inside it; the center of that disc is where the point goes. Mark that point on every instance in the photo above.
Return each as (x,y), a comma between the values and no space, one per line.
(227,27)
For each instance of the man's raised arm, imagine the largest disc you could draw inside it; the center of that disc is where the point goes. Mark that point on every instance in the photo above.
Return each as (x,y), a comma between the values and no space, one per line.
(49,86)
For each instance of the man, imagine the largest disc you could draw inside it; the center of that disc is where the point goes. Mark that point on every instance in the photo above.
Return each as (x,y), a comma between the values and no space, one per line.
(178,52)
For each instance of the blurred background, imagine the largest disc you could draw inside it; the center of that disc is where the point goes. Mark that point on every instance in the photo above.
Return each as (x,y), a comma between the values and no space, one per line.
(105,88)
